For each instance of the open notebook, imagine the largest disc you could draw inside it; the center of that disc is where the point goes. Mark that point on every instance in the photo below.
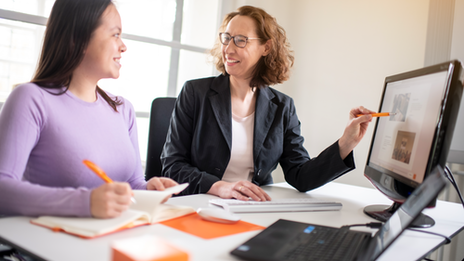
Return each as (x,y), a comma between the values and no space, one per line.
(147,210)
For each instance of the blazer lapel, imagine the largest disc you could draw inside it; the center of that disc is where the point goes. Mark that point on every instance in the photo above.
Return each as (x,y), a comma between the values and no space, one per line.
(221,105)
(264,116)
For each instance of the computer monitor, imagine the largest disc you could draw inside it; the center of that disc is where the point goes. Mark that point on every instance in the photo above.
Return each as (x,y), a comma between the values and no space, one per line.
(406,146)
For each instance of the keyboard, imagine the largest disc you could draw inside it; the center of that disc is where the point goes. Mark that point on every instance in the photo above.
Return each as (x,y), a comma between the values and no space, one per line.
(323,243)
(276,205)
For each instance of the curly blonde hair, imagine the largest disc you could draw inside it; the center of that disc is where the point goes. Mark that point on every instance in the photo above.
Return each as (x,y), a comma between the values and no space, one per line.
(273,68)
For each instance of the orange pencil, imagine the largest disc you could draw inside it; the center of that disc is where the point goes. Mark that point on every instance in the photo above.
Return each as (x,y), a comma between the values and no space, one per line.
(100,173)
(380,114)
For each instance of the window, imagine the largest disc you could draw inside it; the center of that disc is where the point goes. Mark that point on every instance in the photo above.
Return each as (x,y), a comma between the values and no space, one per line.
(19,50)
(31,7)
(148,79)
(167,43)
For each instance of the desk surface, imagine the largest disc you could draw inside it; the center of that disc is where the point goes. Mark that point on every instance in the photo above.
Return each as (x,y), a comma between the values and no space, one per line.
(410,246)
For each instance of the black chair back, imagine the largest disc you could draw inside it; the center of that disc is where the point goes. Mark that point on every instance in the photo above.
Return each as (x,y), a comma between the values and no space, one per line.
(160,117)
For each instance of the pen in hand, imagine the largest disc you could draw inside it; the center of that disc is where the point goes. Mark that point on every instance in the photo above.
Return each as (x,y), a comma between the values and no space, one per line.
(101,174)
(380,114)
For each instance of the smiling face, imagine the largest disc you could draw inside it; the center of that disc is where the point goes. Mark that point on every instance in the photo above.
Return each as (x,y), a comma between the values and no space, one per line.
(240,62)
(102,56)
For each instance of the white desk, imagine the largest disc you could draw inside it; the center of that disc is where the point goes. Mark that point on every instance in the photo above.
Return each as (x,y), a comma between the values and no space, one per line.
(411,245)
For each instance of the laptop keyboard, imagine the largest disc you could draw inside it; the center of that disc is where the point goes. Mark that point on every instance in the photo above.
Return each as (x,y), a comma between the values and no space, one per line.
(323,244)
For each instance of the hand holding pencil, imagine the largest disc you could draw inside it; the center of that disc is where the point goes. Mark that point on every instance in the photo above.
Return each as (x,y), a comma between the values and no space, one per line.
(355,130)
(101,173)
(110,199)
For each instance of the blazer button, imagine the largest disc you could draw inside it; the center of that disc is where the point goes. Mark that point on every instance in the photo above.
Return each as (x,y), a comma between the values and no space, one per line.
(259,171)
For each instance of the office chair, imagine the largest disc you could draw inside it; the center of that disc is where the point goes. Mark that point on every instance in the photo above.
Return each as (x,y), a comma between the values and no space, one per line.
(160,116)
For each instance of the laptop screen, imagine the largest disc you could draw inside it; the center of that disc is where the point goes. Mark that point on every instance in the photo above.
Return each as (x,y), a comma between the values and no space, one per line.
(408,211)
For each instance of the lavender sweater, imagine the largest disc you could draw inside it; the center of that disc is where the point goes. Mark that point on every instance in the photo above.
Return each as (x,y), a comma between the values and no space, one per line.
(43,140)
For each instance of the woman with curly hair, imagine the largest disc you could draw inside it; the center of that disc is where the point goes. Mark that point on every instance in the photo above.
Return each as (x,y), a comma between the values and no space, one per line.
(229,132)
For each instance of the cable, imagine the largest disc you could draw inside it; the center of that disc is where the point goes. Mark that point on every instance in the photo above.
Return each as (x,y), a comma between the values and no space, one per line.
(447,239)
(450,177)
(379,224)
(371,225)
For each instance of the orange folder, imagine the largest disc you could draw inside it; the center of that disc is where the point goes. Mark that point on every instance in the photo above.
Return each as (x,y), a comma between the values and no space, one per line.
(193,224)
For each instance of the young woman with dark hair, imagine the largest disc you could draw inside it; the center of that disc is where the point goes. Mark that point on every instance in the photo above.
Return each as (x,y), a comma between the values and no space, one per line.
(59,58)
(229,132)
(49,126)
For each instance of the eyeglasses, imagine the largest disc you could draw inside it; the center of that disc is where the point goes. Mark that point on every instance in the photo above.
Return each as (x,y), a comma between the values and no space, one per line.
(239,40)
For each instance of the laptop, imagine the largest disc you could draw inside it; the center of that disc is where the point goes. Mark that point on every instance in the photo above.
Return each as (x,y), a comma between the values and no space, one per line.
(291,240)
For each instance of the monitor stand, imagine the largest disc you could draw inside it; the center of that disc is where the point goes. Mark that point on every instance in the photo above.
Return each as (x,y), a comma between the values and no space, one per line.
(384,212)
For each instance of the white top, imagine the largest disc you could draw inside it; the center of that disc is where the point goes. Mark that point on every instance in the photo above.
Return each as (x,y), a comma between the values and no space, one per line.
(241,165)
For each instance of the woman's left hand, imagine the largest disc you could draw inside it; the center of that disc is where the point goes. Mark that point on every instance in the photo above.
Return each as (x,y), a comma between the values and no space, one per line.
(355,130)
(161,183)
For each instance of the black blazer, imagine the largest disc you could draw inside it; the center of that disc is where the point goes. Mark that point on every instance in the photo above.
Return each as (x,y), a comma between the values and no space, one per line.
(198,143)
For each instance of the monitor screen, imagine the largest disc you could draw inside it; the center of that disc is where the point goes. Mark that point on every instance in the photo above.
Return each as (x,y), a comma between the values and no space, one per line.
(402,142)
(407,145)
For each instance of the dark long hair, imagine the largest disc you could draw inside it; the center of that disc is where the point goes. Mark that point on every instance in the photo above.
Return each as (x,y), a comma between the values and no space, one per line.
(69,29)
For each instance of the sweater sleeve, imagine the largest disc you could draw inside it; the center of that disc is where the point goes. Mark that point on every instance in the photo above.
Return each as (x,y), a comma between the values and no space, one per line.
(137,180)
(21,121)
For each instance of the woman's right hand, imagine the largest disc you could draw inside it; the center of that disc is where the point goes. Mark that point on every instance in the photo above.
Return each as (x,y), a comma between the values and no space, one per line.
(241,190)
(110,200)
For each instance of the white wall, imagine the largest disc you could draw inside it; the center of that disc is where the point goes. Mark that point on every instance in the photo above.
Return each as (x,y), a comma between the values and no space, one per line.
(457,44)
(344,50)
(455,251)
